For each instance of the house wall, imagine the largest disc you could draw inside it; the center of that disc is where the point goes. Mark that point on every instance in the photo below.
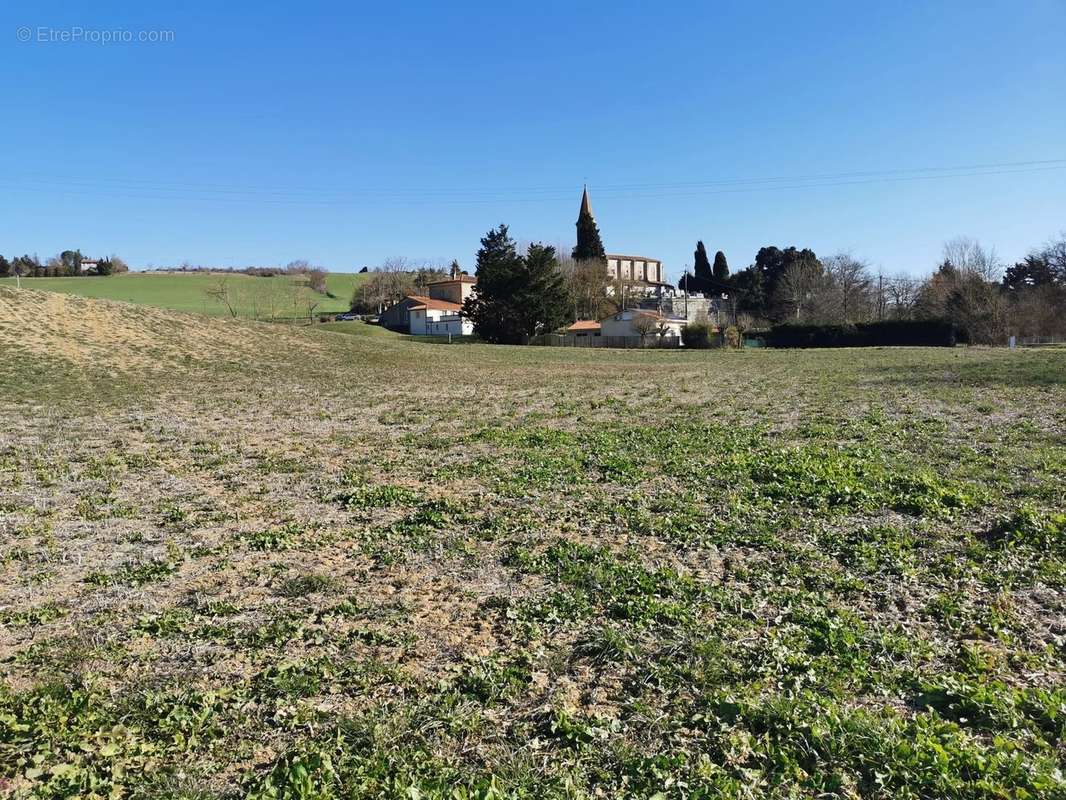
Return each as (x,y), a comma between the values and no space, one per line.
(452,291)
(621,325)
(700,309)
(453,324)
(418,323)
(432,322)
(397,317)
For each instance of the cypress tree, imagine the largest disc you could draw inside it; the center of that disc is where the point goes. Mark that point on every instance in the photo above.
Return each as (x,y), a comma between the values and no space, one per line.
(720,270)
(701,266)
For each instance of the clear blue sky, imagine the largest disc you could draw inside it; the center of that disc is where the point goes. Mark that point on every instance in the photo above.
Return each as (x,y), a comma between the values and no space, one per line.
(266,132)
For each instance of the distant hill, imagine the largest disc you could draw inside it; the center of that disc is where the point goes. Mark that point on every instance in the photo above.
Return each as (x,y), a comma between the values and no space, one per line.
(283,296)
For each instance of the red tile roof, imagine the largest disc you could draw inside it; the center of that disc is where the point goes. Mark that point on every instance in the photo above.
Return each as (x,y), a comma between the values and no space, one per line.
(432,303)
(585,325)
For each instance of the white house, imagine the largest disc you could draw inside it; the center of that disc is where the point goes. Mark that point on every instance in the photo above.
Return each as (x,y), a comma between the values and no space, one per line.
(625,324)
(432,317)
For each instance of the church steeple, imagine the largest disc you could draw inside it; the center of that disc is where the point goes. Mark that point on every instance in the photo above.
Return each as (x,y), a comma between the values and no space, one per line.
(586,205)
(589,244)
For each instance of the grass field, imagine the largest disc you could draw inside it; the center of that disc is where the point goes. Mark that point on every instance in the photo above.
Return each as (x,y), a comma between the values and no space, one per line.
(189,291)
(249,560)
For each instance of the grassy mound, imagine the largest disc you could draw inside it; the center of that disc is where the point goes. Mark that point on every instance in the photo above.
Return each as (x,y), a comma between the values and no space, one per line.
(281,296)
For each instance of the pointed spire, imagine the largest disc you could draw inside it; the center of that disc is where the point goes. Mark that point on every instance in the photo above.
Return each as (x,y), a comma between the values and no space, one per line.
(586,205)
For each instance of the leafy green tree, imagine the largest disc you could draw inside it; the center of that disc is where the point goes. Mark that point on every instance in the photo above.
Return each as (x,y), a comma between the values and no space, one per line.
(750,290)
(772,263)
(720,270)
(5,267)
(104,266)
(26,265)
(71,262)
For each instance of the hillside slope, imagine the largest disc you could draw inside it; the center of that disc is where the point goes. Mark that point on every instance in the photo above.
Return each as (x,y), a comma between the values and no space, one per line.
(190,291)
(101,333)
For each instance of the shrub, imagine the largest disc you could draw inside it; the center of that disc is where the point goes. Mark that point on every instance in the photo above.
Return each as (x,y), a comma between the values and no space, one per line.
(696,335)
(732,336)
(887,333)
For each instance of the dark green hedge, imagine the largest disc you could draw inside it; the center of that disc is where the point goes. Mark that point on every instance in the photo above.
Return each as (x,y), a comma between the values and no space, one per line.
(888,333)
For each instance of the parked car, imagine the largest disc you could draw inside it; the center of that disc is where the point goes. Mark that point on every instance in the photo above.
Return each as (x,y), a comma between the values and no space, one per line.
(347,316)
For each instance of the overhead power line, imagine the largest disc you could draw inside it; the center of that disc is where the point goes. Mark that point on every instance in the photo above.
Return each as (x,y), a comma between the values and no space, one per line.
(149,189)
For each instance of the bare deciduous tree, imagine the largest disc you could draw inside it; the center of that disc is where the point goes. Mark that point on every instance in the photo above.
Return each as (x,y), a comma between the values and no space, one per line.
(221,292)
(968,256)
(901,295)
(645,325)
(587,284)
(801,290)
(850,287)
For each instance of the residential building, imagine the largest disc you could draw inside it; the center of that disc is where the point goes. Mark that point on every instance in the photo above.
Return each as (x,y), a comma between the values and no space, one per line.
(625,324)
(432,317)
(455,289)
(436,313)
(584,328)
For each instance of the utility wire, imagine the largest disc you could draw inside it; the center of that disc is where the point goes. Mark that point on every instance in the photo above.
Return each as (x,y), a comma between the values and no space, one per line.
(148,190)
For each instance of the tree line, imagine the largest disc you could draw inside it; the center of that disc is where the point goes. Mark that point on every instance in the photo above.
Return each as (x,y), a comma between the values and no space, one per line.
(67,264)
(394,280)
(969,288)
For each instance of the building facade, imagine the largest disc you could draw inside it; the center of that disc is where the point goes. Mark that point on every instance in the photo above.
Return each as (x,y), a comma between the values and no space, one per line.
(638,269)
(625,324)
(455,288)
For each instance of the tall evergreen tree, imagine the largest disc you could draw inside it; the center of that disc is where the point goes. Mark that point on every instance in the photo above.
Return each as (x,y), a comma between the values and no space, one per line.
(496,270)
(720,270)
(517,296)
(5,267)
(542,298)
(1034,270)
(701,267)
(589,244)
